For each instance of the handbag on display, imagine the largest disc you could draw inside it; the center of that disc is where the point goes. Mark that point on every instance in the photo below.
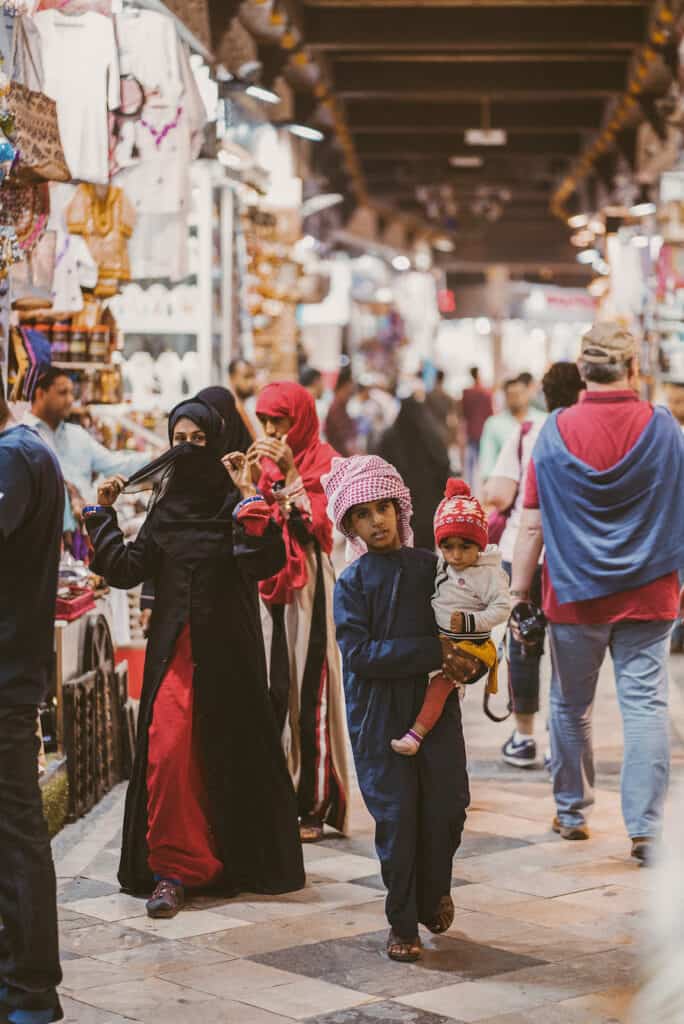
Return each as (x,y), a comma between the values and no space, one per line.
(35,132)
(31,280)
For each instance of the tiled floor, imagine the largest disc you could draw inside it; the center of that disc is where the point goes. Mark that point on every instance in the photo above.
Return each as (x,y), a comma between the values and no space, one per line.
(546,932)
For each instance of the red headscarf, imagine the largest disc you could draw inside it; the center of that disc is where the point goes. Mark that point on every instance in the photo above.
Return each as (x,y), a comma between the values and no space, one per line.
(313,459)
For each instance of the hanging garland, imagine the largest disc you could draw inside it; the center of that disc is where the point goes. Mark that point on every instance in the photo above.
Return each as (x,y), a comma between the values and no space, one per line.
(659,37)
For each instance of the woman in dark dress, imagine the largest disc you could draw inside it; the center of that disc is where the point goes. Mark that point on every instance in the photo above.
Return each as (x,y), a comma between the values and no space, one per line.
(414,445)
(210,803)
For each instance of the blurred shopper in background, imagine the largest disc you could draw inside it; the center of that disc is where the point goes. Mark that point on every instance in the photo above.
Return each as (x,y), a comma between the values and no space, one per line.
(312,379)
(604,493)
(341,430)
(444,409)
(504,490)
(31,514)
(476,408)
(80,456)
(499,428)
(414,445)
(243,384)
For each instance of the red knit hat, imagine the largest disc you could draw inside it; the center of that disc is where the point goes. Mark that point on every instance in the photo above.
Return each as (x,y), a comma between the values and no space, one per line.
(461,515)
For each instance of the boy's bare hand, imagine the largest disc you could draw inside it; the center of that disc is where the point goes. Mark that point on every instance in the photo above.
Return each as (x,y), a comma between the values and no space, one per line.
(458,622)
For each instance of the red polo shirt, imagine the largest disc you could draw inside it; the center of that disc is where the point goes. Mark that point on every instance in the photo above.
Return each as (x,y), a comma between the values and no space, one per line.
(600,430)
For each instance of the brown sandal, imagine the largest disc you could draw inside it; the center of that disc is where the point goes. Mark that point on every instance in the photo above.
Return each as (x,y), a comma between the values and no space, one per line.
(444,918)
(405,951)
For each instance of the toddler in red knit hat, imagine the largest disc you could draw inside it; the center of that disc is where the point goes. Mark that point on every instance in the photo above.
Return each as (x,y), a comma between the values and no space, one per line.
(471,597)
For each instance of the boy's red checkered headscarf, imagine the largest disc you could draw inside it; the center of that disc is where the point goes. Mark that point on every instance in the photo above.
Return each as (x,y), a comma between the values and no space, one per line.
(360,479)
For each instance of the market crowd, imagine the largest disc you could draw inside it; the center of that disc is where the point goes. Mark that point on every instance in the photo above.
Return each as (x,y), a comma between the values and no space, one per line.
(261,671)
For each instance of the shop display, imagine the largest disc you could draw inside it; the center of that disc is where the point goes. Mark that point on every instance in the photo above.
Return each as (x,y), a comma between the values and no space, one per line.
(106,219)
(81,73)
(272,288)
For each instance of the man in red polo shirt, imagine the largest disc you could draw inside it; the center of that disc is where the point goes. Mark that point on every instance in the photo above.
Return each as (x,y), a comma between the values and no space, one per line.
(604,493)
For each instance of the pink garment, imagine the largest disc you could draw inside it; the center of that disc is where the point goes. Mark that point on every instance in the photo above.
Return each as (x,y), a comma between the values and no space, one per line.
(360,479)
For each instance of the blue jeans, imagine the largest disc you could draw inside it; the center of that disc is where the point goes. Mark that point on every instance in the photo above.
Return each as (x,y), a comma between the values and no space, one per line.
(524,669)
(677,639)
(640,653)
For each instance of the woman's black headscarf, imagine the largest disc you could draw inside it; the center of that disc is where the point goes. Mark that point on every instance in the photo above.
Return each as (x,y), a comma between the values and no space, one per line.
(194,496)
(235,436)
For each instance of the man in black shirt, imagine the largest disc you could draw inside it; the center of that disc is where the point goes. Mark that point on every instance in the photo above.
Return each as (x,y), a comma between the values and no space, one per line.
(31,515)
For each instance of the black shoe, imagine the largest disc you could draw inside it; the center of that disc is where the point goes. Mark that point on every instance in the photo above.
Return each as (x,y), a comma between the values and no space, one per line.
(166,900)
(27,1016)
(643,850)
(570,831)
(521,753)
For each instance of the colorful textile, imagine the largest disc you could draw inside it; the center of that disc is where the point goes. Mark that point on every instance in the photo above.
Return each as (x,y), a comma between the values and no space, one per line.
(312,458)
(600,545)
(461,515)
(361,479)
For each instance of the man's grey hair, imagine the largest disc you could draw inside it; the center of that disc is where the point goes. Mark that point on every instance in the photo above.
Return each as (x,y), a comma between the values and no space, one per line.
(606,373)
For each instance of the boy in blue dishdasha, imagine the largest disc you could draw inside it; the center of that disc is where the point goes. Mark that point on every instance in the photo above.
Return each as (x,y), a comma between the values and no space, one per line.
(389,642)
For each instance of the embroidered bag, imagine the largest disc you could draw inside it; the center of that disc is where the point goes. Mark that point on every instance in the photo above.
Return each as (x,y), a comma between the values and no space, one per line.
(36,129)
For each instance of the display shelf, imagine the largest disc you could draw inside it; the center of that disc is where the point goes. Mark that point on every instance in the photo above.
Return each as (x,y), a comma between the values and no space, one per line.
(160,327)
(84,366)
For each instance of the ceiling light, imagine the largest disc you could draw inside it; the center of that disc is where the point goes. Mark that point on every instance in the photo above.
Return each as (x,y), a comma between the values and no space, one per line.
(324,201)
(258,92)
(465,162)
(580,220)
(588,256)
(303,131)
(444,245)
(486,137)
(401,263)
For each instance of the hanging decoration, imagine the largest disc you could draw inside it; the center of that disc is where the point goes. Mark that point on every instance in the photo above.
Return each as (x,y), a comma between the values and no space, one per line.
(629,107)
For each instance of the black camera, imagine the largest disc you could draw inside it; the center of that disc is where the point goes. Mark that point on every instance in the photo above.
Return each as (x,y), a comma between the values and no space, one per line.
(528,626)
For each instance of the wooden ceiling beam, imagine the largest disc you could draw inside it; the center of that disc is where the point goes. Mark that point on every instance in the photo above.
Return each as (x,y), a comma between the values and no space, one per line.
(495,77)
(403,115)
(418,148)
(435,28)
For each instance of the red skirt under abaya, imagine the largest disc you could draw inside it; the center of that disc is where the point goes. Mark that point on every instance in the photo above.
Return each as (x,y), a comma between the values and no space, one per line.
(179,838)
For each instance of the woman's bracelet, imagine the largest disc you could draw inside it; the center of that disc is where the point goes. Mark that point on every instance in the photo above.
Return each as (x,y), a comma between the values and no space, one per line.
(91,510)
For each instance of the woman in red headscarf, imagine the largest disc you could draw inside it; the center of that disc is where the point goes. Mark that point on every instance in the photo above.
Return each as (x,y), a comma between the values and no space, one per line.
(305,670)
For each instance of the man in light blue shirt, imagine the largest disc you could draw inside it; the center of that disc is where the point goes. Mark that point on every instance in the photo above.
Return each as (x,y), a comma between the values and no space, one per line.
(81,458)
(499,428)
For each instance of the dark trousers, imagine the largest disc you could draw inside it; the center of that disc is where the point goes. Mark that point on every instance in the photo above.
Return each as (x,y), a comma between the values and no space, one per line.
(524,670)
(29,954)
(419,806)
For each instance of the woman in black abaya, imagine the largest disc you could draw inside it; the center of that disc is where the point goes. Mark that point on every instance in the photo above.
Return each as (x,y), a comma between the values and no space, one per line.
(415,446)
(210,803)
